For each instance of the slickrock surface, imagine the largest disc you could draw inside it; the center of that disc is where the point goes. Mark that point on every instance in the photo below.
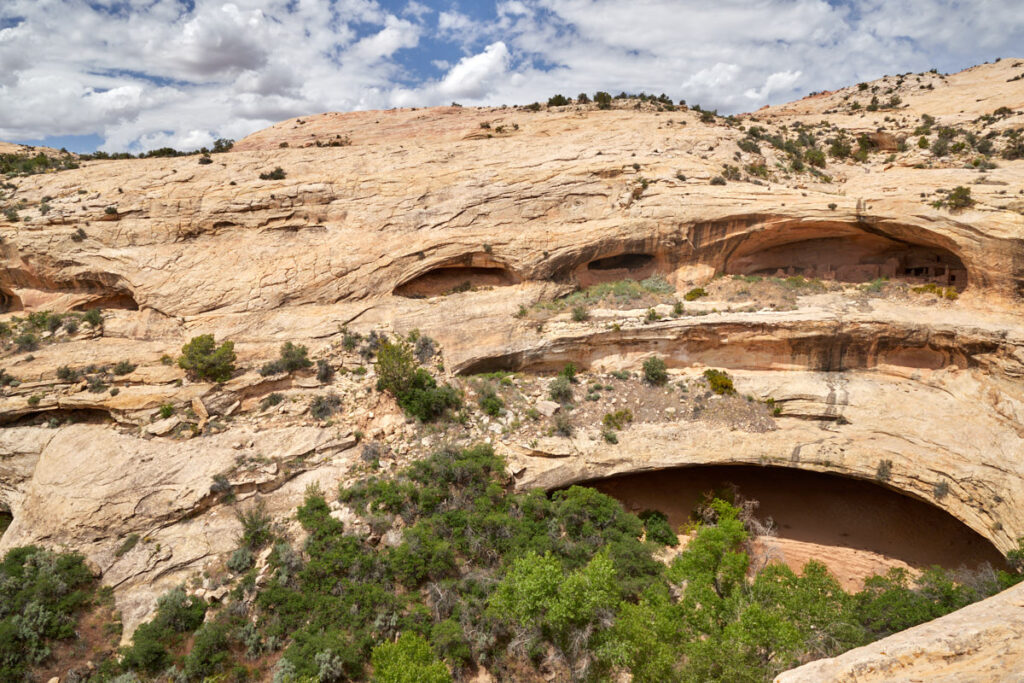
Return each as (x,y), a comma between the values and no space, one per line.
(978,643)
(466,224)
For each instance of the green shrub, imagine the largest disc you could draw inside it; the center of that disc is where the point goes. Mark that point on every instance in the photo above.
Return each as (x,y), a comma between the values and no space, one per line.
(415,390)
(292,358)
(603,100)
(322,407)
(658,529)
(718,180)
(408,660)
(166,410)
(563,425)
(815,157)
(655,371)
(177,613)
(240,561)
(561,389)
(124,367)
(557,101)
(695,293)
(884,470)
(26,341)
(40,593)
(567,607)
(580,313)
(93,317)
(324,371)
(617,420)
(257,530)
(95,384)
(489,401)
(396,367)
(959,198)
(450,642)
(209,651)
(271,400)
(568,372)
(840,148)
(720,382)
(749,145)
(202,359)
(277,174)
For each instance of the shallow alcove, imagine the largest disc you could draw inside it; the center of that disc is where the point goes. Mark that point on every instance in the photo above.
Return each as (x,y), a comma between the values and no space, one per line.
(846,254)
(622,262)
(121,300)
(5,521)
(469,272)
(56,416)
(630,265)
(855,527)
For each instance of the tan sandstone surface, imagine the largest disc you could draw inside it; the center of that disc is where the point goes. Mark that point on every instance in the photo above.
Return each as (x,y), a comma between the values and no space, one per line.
(464,223)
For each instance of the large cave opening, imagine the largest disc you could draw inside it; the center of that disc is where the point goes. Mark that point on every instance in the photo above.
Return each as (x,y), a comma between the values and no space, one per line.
(856,528)
(845,254)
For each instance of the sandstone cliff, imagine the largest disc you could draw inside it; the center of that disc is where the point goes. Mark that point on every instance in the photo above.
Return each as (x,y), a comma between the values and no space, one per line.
(464,224)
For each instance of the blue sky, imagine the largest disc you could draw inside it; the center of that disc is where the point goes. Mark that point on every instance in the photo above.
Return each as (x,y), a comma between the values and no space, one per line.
(132,75)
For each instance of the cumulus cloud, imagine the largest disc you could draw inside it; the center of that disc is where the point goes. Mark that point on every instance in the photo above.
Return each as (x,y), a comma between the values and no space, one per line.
(144,74)
(221,39)
(780,81)
(475,76)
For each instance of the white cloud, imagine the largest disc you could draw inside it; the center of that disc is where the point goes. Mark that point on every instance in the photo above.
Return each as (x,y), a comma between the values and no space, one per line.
(157,72)
(396,34)
(221,39)
(474,77)
(778,82)
(416,9)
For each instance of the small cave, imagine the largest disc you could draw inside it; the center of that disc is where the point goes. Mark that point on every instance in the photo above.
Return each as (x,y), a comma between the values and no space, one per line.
(627,266)
(853,255)
(9,301)
(472,273)
(855,527)
(5,521)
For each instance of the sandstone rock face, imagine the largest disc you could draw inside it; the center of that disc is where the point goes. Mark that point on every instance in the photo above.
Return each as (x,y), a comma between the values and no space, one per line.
(465,224)
(981,642)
